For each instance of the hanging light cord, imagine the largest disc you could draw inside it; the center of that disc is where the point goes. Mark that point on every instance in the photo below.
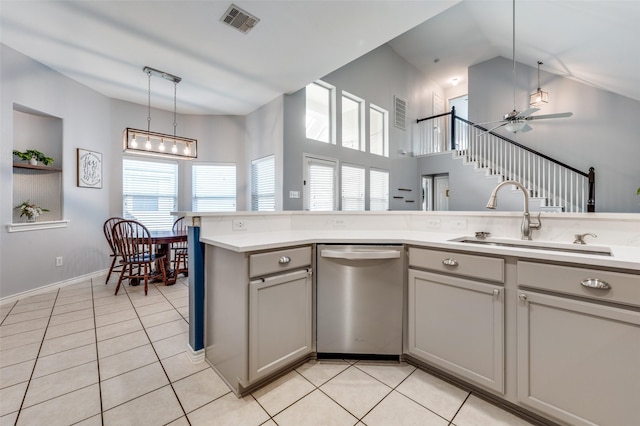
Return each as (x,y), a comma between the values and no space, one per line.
(149,105)
(514,54)
(539,63)
(175,92)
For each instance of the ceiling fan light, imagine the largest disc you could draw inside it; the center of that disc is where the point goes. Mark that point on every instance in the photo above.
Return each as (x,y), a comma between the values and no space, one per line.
(538,98)
(515,126)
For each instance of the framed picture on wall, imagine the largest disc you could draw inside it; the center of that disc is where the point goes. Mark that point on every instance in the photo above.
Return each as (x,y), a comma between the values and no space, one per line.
(89,169)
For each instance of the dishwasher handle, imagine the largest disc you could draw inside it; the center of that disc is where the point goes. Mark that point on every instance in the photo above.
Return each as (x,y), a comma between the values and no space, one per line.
(360,254)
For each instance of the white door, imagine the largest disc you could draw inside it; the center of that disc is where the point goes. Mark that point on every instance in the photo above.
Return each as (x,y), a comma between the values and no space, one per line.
(441,196)
(427,193)
(320,184)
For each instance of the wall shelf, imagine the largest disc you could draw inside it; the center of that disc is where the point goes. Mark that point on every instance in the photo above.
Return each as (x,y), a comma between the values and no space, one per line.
(36,167)
(34,226)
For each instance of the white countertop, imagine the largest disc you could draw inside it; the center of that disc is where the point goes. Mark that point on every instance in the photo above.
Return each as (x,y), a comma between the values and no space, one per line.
(623,257)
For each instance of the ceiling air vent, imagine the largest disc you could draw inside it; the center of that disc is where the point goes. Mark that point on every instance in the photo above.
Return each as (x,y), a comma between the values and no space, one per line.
(400,116)
(239,19)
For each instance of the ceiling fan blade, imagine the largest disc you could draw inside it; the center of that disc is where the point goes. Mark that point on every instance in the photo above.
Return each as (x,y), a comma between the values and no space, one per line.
(527,112)
(542,117)
(492,129)
(489,122)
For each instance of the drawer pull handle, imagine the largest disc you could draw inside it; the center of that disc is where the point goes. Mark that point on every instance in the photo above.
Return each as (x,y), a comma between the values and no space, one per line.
(523,297)
(496,292)
(450,262)
(284,260)
(596,283)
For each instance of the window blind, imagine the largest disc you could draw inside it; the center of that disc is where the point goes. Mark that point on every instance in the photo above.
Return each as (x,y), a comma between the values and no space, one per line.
(150,192)
(378,190)
(352,188)
(263,184)
(321,182)
(214,187)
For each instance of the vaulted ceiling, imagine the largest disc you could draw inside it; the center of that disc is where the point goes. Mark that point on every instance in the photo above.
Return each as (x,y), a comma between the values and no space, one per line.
(105,44)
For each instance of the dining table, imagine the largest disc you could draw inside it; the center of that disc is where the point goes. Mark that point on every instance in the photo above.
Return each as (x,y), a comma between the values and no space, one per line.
(163,240)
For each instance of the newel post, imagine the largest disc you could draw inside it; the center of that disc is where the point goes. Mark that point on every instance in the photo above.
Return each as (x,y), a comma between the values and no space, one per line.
(591,203)
(453,128)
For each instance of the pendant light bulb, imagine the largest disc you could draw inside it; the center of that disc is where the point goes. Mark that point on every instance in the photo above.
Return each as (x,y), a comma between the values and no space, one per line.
(134,142)
(174,149)
(161,147)
(148,144)
(186,150)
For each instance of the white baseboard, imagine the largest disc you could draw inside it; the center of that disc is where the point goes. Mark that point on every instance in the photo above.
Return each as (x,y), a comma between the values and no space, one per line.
(195,356)
(53,286)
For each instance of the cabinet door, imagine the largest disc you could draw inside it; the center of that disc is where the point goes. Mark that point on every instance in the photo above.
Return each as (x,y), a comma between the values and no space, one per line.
(458,325)
(578,361)
(280,315)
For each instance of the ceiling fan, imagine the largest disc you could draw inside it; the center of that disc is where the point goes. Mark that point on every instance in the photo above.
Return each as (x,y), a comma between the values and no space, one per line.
(516,121)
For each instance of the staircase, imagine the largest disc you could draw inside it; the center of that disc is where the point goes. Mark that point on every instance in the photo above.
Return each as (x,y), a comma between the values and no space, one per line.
(552,185)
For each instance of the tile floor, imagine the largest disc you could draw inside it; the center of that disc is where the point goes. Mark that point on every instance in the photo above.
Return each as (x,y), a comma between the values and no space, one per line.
(80,355)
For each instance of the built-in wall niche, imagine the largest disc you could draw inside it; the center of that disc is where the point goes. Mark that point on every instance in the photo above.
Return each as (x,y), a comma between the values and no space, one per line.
(39,184)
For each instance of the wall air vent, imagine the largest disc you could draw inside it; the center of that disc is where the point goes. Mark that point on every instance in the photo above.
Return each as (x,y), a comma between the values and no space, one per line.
(400,113)
(239,19)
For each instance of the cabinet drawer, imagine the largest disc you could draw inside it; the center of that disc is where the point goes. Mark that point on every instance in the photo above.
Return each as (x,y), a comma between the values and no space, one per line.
(469,265)
(277,261)
(623,288)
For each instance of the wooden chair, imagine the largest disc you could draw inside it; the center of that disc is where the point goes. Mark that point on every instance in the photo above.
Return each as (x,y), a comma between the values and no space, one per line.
(115,255)
(134,244)
(180,251)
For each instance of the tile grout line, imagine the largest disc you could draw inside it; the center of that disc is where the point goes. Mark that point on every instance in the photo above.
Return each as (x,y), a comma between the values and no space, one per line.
(24,397)
(95,334)
(460,408)
(159,360)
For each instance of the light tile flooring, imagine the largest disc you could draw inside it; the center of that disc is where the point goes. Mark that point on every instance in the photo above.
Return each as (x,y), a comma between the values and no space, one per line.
(80,355)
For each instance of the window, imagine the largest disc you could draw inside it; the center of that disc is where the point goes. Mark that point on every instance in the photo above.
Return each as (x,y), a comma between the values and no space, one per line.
(320,111)
(150,192)
(320,184)
(263,184)
(378,190)
(352,122)
(352,188)
(214,187)
(378,131)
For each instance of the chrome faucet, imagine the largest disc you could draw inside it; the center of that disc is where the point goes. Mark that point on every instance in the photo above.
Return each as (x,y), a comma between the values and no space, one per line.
(527,226)
(580,238)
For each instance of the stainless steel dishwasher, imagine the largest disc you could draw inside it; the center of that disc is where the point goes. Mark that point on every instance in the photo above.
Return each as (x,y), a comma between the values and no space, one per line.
(359,300)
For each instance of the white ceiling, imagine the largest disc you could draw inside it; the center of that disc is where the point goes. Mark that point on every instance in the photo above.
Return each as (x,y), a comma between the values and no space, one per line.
(105,44)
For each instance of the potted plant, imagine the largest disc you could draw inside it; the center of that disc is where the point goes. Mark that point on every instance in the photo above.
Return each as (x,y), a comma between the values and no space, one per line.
(33,156)
(30,210)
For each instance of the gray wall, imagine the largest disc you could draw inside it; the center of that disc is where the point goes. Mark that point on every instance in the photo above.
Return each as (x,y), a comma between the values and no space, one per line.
(95,122)
(602,132)
(27,259)
(375,77)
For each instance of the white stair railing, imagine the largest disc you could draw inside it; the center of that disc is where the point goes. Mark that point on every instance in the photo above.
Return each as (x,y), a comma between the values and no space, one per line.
(560,185)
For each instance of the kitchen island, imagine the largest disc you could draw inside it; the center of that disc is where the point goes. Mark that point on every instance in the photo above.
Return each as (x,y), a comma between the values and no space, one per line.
(442,269)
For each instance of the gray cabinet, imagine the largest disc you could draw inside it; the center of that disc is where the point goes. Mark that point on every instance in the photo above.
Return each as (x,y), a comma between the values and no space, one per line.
(258,313)
(457,323)
(578,359)
(280,314)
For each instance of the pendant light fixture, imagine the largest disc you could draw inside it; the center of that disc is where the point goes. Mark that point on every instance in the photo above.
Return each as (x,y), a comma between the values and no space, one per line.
(539,97)
(146,142)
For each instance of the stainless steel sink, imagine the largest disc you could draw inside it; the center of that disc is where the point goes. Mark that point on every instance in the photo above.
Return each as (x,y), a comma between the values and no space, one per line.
(536,245)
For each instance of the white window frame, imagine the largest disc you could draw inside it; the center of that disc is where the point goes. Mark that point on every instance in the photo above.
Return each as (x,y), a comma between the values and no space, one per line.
(152,181)
(219,187)
(375,194)
(358,143)
(384,131)
(330,132)
(263,184)
(308,162)
(349,194)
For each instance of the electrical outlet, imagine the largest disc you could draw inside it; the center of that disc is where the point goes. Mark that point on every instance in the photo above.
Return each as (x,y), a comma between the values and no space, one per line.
(433,223)
(458,224)
(239,225)
(337,223)
(59,261)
